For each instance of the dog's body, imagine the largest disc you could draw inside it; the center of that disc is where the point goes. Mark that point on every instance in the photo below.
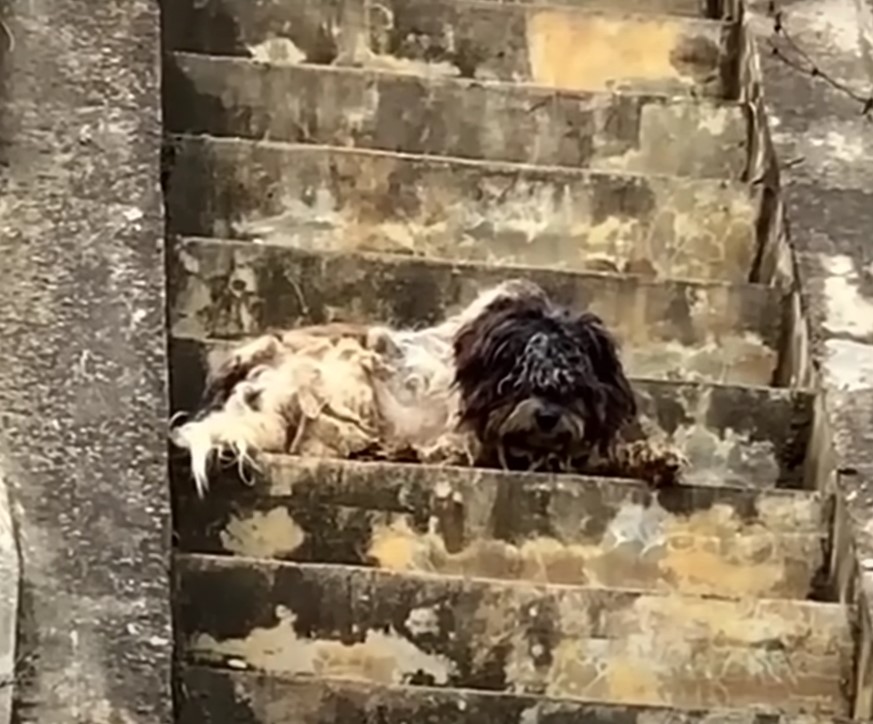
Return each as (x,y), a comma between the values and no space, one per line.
(511,381)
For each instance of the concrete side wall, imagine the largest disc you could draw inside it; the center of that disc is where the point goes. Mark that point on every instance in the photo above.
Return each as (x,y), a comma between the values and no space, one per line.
(824,145)
(10,571)
(82,376)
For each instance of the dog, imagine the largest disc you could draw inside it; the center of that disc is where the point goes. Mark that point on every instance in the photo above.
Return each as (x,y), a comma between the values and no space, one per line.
(511,381)
(543,388)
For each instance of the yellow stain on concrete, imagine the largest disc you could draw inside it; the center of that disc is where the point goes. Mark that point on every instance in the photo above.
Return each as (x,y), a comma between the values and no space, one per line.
(398,547)
(384,657)
(710,552)
(815,630)
(263,535)
(626,680)
(578,52)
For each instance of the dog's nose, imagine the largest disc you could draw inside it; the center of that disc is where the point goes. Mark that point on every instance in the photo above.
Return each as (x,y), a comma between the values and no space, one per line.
(547,419)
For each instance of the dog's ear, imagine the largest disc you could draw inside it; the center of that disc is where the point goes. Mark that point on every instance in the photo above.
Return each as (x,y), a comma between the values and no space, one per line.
(473,343)
(473,346)
(485,351)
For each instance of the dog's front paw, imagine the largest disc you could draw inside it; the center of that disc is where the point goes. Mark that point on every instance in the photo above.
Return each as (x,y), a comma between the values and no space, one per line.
(451,449)
(658,463)
(665,466)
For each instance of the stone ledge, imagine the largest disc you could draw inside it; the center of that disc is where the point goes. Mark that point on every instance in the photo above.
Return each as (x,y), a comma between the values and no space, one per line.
(83,369)
(339,199)
(225,96)
(10,573)
(596,645)
(726,333)
(562,46)
(571,530)
(823,146)
(231,697)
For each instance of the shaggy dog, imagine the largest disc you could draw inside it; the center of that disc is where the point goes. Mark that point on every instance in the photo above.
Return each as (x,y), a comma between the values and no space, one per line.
(543,388)
(512,381)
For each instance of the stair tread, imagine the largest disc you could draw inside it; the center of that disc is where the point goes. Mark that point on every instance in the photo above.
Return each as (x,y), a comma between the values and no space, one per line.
(559,46)
(726,542)
(668,329)
(258,697)
(340,199)
(605,645)
(328,105)
(732,435)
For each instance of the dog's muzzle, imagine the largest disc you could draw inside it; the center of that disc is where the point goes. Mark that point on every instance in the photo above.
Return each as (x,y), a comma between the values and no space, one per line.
(538,424)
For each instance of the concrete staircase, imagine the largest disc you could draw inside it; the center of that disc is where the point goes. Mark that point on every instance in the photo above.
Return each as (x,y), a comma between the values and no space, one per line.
(353,160)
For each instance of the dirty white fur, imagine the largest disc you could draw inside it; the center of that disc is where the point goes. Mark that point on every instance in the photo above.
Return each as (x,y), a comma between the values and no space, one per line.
(313,394)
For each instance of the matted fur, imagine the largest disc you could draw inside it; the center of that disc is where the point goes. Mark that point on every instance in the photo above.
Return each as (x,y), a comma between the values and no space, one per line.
(472,390)
(336,390)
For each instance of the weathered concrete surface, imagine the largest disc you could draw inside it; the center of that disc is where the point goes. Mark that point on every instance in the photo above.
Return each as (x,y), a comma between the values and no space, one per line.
(331,199)
(450,117)
(562,47)
(82,377)
(592,645)
(711,332)
(10,581)
(850,423)
(552,529)
(711,424)
(231,697)
(824,144)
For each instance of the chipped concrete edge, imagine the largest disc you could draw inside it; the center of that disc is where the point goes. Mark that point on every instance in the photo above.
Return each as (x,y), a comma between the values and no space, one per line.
(10,573)
(817,354)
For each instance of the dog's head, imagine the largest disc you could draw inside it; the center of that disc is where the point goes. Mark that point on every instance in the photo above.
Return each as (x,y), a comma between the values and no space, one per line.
(537,380)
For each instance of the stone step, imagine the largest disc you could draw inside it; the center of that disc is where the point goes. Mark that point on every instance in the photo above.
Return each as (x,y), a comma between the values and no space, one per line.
(716,332)
(569,530)
(593,645)
(748,437)
(320,198)
(562,47)
(450,117)
(220,696)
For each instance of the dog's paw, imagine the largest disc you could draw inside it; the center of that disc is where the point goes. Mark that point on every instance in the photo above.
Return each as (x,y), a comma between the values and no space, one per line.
(452,449)
(666,466)
(657,462)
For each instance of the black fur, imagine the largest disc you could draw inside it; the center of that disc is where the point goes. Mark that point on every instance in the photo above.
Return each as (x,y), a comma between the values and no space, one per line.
(526,348)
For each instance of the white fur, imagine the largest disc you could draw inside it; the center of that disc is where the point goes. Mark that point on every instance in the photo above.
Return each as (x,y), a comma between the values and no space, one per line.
(324,396)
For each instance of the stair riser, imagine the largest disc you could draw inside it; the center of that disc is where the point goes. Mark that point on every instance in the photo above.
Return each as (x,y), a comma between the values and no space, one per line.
(327,199)
(396,112)
(572,531)
(711,425)
(231,697)
(558,47)
(609,646)
(715,332)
